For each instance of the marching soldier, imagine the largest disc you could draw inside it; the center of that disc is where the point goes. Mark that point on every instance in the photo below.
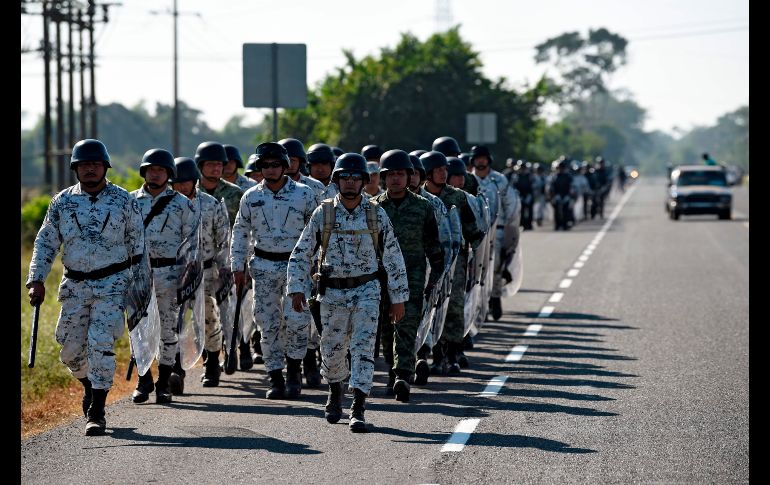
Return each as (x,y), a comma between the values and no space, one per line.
(169,218)
(272,215)
(416,230)
(230,169)
(298,165)
(321,159)
(435,164)
(215,239)
(252,170)
(508,213)
(449,147)
(99,227)
(359,253)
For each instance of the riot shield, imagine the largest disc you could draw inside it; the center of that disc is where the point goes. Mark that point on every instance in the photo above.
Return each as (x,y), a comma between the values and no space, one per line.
(190,297)
(145,336)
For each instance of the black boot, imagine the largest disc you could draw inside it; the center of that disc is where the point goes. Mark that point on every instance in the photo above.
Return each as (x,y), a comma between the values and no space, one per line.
(96,423)
(401,387)
(244,356)
(144,387)
(162,394)
(462,360)
(256,356)
(468,342)
(277,385)
(391,382)
(422,368)
(357,421)
(176,379)
(293,378)
(495,308)
(438,360)
(211,376)
(453,368)
(86,394)
(333,411)
(310,368)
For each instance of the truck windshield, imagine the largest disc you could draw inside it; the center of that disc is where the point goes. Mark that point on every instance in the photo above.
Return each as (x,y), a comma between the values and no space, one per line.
(702,178)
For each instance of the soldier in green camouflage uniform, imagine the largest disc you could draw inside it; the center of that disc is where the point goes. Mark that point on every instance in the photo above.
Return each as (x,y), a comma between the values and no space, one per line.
(416,229)
(435,164)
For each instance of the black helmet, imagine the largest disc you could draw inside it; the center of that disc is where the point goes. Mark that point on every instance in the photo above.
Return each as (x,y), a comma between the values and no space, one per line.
(350,162)
(294,148)
(252,165)
(234,154)
(337,151)
(320,153)
(89,150)
(564,163)
(480,151)
(210,151)
(272,150)
(446,145)
(433,159)
(396,160)
(417,165)
(186,170)
(466,158)
(158,157)
(371,152)
(417,153)
(456,166)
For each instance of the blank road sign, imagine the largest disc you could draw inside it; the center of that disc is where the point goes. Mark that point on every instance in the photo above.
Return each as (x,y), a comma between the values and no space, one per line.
(274,75)
(481,127)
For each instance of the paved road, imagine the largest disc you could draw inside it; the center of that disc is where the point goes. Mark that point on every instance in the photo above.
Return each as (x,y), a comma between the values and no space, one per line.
(638,372)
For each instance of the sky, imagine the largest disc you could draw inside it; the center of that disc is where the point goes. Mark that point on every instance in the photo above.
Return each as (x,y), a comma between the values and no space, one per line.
(688,60)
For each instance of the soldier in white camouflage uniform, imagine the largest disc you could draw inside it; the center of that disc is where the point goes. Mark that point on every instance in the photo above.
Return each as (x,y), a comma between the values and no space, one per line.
(252,170)
(163,235)
(349,285)
(272,215)
(298,164)
(230,169)
(215,244)
(508,212)
(99,227)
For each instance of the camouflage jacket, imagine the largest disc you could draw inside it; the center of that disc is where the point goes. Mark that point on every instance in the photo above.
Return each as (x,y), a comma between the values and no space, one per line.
(244,182)
(329,190)
(230,192)
(273,221)
(349,255)
(416,229)
(451,196)
(92,234)
(167,230)
(318,187)
(215,228)
(506,195)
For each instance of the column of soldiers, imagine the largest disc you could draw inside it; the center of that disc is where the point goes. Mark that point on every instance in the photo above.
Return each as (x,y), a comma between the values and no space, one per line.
(337,266)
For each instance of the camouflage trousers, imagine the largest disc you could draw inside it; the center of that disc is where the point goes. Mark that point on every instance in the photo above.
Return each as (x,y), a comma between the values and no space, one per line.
(165,281)
(398,340)
(349,321)
(314,340)
(454,325)
(87,329)
(284,331)
(213,326)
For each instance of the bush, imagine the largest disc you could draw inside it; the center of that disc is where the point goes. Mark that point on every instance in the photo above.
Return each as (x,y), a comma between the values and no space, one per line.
(32,215)
(131,180)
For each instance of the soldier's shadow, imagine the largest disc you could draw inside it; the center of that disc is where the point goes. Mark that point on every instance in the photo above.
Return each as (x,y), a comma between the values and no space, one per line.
(211,437)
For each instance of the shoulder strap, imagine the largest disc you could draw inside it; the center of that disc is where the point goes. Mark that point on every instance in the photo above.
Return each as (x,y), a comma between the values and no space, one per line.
(158,208)
(329,218)
(374,230)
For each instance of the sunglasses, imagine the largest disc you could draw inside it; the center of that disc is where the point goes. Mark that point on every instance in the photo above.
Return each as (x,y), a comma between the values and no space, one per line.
(350,176)
(275,164)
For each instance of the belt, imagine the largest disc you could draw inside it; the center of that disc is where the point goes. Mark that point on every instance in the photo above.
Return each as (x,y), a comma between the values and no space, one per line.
(97,274)
(272,256)
(348,283)
(208,263)
(161,262)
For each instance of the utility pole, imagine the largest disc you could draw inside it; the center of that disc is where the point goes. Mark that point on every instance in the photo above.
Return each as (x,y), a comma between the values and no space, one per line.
(92,105)
(83,102)
(71,65)
(47,169)
(60,181)
(175,122)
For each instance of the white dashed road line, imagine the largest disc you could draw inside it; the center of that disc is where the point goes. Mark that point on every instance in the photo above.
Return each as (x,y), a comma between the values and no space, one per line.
(494,386)
(556,297)
(462,432)
(516,353)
